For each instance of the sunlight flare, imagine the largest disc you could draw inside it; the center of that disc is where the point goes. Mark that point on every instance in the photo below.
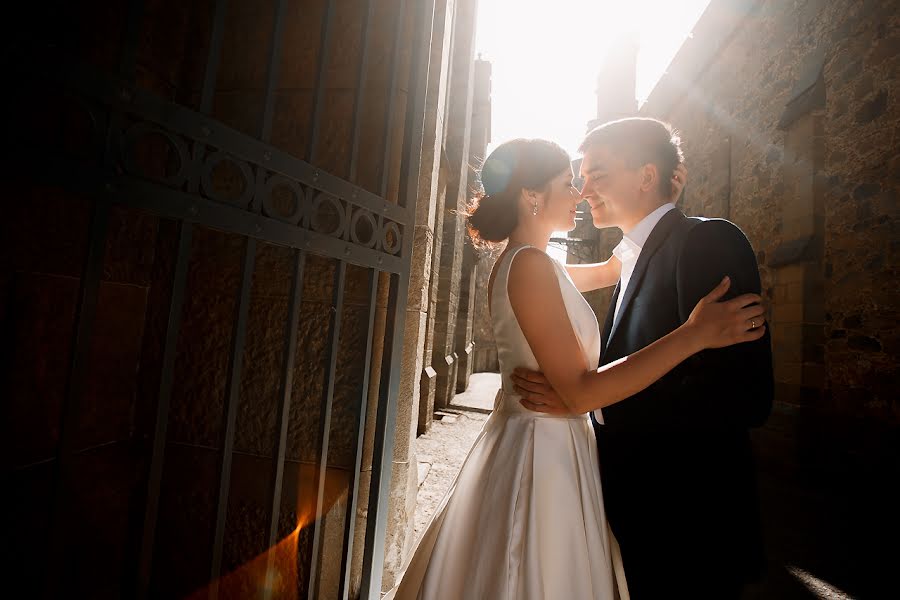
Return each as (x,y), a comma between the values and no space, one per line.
(546,57)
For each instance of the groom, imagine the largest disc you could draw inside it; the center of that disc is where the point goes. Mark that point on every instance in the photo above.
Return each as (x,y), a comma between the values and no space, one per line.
(675,459)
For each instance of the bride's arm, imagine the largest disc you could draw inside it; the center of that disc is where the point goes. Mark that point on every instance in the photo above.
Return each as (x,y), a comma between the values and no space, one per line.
(538,304)
(595,276)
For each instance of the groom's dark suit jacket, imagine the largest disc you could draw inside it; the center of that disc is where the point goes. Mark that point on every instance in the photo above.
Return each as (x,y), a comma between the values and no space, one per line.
(675,459)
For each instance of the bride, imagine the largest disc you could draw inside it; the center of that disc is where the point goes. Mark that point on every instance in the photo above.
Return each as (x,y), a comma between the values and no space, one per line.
(525,518)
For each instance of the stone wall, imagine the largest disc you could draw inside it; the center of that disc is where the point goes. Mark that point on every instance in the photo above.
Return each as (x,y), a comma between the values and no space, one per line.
(438,338)
(789,130)
(789,115)
(484,352)
(416,342)
(457,143)
(485,359)
(477,344)
(465,317)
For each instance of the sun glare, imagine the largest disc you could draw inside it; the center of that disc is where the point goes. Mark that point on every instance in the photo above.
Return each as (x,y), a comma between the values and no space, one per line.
(546,56)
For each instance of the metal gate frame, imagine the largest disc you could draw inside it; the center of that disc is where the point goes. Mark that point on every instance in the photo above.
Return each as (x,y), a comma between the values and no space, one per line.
(121,114)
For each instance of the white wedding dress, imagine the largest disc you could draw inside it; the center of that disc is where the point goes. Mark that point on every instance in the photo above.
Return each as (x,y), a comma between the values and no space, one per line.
(524,519)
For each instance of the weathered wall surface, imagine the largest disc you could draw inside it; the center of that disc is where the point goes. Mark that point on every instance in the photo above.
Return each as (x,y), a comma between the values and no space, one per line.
(791,132)
(789,114)
(485,360)
(440,310)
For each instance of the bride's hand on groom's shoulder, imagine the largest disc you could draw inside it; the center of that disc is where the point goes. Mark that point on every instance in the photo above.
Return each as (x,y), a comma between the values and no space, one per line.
(536,392)
(718,323)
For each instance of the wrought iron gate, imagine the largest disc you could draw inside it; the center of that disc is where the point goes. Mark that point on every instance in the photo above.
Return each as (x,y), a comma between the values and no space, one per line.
(161,158)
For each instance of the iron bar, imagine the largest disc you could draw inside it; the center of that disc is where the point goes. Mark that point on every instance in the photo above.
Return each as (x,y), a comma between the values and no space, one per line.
(272,72)
(318,102)
(360,90)
(167,378)
(389,108)
(283,415)
(232,396)
(382,453)
(414,130)
(213,57)
(353,499)
(340,278)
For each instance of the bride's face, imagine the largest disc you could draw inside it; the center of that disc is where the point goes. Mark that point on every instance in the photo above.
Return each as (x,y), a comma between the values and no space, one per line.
(560,202)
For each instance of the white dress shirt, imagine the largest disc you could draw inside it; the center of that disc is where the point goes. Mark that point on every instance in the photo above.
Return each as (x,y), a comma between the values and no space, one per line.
(628,251)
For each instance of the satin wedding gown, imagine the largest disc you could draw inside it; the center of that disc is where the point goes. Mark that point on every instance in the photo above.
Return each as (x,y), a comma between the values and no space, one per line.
(524,519)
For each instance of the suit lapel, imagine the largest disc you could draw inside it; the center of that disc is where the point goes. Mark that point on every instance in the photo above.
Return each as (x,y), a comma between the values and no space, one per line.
(608,322)
(657,237)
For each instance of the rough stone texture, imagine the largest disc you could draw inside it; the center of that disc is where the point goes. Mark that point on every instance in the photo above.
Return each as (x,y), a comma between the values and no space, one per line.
(444,355)
(409,414)
(465,317)
(428,384)
(479,344)
(438,326)
(433,188)
(457,144)
(400,539)
(485,352)
(484,356)
(196,414)
(827,176)
(790,130)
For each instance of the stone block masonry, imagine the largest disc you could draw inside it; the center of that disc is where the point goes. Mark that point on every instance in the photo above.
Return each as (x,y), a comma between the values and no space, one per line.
(789,115)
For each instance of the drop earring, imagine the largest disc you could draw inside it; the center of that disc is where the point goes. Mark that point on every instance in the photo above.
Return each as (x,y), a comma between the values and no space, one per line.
(534,209)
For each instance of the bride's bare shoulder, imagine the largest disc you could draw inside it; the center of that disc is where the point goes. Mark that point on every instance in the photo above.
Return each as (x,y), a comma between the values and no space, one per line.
(530,272)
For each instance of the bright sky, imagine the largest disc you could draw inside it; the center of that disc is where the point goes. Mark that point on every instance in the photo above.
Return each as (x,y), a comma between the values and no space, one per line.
(545,56)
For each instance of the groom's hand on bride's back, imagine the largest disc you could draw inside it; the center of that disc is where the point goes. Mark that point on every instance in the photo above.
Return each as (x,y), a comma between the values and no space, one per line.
(536,393)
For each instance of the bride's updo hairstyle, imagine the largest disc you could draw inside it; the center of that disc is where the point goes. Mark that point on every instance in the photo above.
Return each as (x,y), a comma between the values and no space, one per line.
(513,166)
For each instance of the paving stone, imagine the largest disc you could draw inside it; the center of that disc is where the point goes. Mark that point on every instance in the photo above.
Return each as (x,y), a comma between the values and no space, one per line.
(446,445)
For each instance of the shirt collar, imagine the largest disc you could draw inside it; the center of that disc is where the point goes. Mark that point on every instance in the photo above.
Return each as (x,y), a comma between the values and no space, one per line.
(641,232)
(626,251)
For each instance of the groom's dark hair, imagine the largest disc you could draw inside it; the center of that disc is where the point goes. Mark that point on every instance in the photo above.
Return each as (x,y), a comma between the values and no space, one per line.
(640,141)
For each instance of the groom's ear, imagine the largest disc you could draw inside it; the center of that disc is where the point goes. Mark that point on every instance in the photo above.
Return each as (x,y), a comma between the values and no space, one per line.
(649,177)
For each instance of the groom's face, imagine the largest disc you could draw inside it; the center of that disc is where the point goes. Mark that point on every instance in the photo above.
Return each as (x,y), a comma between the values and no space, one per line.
(610,187)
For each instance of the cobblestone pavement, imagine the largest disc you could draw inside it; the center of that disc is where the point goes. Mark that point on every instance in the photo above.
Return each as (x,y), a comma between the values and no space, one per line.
(443,449)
